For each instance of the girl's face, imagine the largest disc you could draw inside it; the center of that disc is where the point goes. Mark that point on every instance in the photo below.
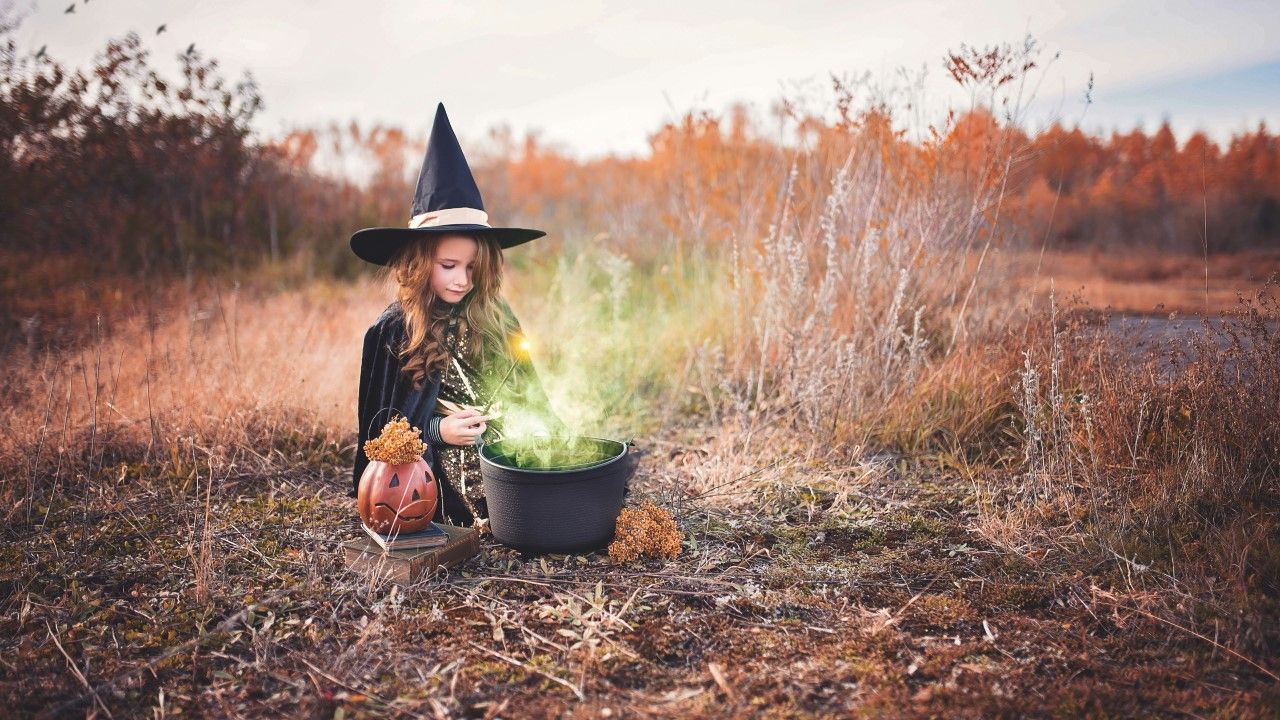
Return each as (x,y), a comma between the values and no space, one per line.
(452,266)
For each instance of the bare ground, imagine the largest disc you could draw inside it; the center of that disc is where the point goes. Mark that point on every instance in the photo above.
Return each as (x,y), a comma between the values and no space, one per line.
(878,598)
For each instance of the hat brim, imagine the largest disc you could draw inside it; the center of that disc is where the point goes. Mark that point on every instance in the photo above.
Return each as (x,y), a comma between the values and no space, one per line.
(379,245)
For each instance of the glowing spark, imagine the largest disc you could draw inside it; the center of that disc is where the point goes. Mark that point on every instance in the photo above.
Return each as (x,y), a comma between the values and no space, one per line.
(521,352)
(520,347)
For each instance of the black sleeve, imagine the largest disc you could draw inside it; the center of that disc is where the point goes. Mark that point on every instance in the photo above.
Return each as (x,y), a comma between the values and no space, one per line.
(431,433)
(383,391)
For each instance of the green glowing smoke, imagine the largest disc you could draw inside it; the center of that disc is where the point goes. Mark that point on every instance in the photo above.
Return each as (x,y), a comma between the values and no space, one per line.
(529,444)
(609,338)
(551,453)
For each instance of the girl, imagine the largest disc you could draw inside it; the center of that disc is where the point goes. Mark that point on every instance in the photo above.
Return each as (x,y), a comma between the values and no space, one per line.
(449,346)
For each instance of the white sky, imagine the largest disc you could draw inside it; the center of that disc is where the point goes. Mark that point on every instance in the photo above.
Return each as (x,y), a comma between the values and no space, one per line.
(598,76)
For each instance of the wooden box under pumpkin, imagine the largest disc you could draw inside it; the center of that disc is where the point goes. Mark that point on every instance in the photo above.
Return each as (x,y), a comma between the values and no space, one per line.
(409,566)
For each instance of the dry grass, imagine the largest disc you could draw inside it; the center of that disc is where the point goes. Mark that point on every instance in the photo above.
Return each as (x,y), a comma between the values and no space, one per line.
(883,506)
(1159,447)
(197,568)
(819,591)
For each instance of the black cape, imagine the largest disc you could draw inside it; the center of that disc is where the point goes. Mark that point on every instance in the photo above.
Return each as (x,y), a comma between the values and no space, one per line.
(385,391)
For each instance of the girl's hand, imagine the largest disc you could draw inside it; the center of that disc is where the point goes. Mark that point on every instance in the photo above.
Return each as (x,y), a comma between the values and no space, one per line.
(462,428)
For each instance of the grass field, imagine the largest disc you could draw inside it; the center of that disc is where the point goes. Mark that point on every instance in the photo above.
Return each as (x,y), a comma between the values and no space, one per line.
(866,588)
(175,500)
(919,466)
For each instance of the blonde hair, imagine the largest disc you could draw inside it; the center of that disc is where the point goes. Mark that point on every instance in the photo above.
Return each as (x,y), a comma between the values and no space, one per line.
(426,316)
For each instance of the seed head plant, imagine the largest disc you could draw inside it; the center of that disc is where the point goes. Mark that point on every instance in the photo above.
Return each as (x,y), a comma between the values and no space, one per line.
(397,444)
(646,531)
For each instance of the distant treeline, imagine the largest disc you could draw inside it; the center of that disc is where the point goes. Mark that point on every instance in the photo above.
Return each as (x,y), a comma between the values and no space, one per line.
(126,167)
(1149,190)
(142,175)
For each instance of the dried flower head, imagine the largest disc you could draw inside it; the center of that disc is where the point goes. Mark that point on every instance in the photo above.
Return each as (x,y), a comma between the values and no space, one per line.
(646,530)
(397,445)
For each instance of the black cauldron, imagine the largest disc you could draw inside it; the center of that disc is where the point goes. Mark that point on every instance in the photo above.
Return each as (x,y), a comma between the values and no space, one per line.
(546,505)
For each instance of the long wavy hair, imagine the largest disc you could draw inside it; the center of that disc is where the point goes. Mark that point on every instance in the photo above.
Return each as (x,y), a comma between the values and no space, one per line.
(426,316)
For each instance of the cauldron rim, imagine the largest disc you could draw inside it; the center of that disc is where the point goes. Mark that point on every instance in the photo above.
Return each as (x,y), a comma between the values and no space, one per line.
(558,511)
(568,474)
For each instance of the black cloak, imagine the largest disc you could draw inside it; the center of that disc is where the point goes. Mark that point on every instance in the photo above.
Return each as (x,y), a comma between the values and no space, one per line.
(385,391)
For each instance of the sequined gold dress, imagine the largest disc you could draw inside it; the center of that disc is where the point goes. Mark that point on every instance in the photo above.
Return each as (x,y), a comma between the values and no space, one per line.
(460,384)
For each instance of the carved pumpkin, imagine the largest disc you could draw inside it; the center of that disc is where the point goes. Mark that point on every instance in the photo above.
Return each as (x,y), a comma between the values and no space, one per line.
(397,499)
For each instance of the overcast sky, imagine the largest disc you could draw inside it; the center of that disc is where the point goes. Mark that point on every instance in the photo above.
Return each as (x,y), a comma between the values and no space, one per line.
(599,76)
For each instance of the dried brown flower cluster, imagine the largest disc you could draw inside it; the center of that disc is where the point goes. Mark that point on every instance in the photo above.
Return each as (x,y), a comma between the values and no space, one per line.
(646,530)
(397,445)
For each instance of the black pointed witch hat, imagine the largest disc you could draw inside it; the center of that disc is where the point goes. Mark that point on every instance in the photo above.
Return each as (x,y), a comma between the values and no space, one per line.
(445,201)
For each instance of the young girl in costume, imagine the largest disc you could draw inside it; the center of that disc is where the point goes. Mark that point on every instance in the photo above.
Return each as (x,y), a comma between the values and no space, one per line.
(449,347)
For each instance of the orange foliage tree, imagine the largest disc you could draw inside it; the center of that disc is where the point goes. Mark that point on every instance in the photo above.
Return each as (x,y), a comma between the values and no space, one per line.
(123,172)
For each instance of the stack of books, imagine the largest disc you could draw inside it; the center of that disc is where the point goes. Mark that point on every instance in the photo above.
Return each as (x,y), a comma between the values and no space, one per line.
(406,557)
(432,536)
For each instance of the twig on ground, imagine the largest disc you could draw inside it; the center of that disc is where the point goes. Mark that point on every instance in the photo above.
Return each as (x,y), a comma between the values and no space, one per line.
(1189,631)
(525,666)
(75,669)
(717,674)
(191,644)
(385,703)
(894,618)
(706,493)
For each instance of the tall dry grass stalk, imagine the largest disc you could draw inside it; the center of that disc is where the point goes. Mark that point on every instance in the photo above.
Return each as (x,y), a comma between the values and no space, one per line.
(1157,442)
(844,311)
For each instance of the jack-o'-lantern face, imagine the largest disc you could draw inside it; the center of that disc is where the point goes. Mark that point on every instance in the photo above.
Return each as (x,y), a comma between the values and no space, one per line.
(397,498)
